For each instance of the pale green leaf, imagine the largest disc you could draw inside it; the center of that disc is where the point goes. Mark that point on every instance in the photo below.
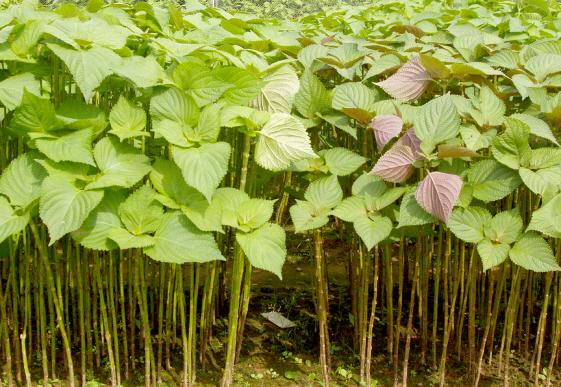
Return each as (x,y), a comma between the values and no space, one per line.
(492,254)
(141,213)
(468,223)
(10,222)
(265,247)
(374,231)
(74,146)
(127,119)
(547,219)
(199,82)
(305,216)
(22,179)
(126,240)
(11,89)
(492,180)
(505,227)
(437,121)
(254,213)
(532,252)
(350,209)
(325,192)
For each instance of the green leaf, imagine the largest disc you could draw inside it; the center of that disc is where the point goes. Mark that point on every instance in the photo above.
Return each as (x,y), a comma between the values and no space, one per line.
(353,95)
(203,168)
(206,216)
(230,199)
(491,108)
(246,86)
(64,207)
(208,127)
(492,181)
(253,213)
(179,241)
(537,127)
(265,247)
(544,182)
(312,97)
(143,72)
(533,253)
(544,64)
(547,219)
(282,140)
(325,192)
(88,67)
(369,185)
(512,146)
(141,213)
(505,227)
(468,223)
(10,222)
(12,88)
(22,179)
(127,119)
(126,240)
(474,139)
(305,216)
(388,197)
(437,121)
(342,161)
(35,115)
(174,114)
(545,158)
(492,254)
(78,115)
(411,213)
(277,96)
(350,209)
(374,231)
(74,146)
(199,82)
(120,164)
(94,232)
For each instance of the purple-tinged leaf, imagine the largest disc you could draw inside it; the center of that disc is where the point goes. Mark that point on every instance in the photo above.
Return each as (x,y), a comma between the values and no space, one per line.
(385,128)
(395,164)
(411,140)
(438,192)
(453,151)
(408,83)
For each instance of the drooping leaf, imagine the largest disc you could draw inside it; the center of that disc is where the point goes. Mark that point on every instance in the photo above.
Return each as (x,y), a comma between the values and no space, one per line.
(468,223)
(265,247)
(453,151)
(204,167)
(35,115)
(282,140)
(385,128)
(64,207)
(120,164)
(537,127)
(438,192)
(179,241)
(532,252)
(74,146)
(395,165)
(544,182)
(11,89)
(409,82)
(143,72)
(491,109)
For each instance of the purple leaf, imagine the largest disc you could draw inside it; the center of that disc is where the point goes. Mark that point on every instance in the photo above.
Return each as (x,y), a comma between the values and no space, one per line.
(411,140)
(438,193)
(385,128)
(395,164)
(408,83)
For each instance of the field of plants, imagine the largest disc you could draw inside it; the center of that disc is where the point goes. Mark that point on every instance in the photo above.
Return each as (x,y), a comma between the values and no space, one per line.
(164,165)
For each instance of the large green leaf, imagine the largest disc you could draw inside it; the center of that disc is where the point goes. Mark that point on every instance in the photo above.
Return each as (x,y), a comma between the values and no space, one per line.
(21,181)
(174,114)
(353,95)
(373,231)
(512,146)
(74,146)
(312,97)
(492,181)
(143,72)
(533,253)
(199,82)
(491,108)
(437,121)
(179,241)
(505,227)
(278,94)
(11,89)
(126,240)
(492,254)
(88,67)
(230,199)
(120,164)
(468,223)
(537,127)
(204,167)
(265,247)
(127,119)
(78,115)
(282,140)
(544,182)
(325,192)
(306,216)
(411,213)
(94,232)
(10,222)
(141,213)
(342,161)
(35,115)
(64,207)
(547,219)
(246,86)
(254,213)
(350,209)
